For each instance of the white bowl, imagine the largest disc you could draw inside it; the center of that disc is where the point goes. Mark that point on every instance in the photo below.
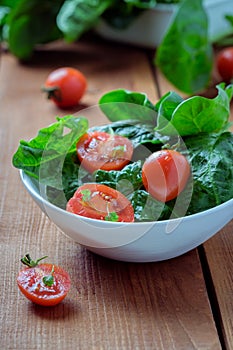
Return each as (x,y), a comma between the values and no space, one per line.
(135,242)
(148,29)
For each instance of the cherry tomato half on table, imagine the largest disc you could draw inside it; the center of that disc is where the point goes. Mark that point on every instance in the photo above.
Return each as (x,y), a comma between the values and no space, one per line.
(100,150)
(225,64)
(101,202)
(65,86)
(43,284)
(165,174)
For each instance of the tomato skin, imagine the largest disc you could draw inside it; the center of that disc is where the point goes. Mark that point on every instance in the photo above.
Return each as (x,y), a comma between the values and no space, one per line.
(65,86)
(224,62)
(165,174)
(100,150)
(103,199)
(30,283)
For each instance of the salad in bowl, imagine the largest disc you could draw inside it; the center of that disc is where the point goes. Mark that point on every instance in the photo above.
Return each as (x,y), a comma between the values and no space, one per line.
(151,184)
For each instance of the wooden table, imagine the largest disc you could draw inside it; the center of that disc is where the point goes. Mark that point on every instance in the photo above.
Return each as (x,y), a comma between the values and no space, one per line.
(184,303)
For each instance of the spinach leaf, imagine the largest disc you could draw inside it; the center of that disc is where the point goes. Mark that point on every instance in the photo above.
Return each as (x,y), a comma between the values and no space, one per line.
(73,176)
(168,1)
(185,54)
(43,156)
(30,23)
(168,102)
(146,208)
(212,169)
(143,4)
(126,180)
(165,108)
(77,16)
(171,115)
(139,133)
(124,104)
(4,12)
(196,114)
(229,18)
(123,12)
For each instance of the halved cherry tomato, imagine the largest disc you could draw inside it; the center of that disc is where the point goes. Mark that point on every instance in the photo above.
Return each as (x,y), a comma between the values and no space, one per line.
(225,64)
(65,86)
(44,284)
(100,150)
(101,202)
(165,174)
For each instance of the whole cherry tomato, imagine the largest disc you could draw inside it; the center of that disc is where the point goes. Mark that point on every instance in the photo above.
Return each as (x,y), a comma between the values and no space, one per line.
(43,284)
(165,174)
(101,202)
(100,150)
(225,64)
(65,86)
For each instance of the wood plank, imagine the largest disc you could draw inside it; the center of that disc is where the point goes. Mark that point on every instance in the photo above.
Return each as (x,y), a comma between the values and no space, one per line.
(219,255)
(112,305)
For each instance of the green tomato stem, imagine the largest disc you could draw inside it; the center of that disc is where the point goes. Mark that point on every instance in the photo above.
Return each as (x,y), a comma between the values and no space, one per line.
(27,260)
(52,92)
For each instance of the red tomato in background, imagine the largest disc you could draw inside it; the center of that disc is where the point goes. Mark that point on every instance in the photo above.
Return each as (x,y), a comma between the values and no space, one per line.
(101,202)
(65,86)
(43,284)
(224,63)
(165,174)
(100,150)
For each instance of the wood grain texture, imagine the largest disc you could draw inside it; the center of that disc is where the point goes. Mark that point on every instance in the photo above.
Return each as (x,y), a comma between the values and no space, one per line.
(219,255)
(111,305)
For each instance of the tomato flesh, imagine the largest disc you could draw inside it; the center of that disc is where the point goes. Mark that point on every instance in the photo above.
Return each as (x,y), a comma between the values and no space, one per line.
(30,283)
(101,203)
(100,150)
(165,174)
(225,64)
(69,86)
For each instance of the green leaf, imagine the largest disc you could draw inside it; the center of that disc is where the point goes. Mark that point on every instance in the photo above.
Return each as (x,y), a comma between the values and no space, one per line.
(126,181)
(49,279)
(168,1)
(86,195)
(9,3)
(73,176)
(30,23)
(77,16)
(168,102)
(112,216)
(185,55)
(4,12)
(43,157)
(122,13)
(139,133)
(146,208)
(166,107)
(124,104)
(196,114)
(146,4)
(212,169)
